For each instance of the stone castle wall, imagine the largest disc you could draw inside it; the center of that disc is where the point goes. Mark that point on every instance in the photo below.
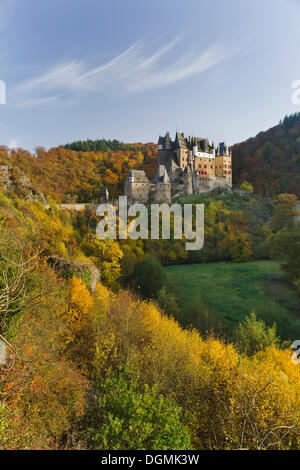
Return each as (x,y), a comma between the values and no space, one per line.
(137,192)
(162,193)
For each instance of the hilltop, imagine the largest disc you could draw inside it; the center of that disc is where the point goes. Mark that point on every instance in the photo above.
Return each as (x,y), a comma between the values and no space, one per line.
(65,175)
(271,160)
(76,171)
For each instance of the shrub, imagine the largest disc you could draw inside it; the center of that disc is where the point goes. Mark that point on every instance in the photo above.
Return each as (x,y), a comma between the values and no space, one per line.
(149,277)
(246,186)
(253,335)
(124,416)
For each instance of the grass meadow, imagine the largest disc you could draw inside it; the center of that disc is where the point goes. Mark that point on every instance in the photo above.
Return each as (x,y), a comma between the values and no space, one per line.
(230,291)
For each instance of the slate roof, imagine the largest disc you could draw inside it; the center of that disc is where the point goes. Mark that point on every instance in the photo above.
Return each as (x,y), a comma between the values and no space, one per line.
(180,141)
(161,175)
(222,149)
(166,141)
(139,176)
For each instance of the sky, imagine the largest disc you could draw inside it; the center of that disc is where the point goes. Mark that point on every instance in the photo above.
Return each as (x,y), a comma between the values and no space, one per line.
(134,69)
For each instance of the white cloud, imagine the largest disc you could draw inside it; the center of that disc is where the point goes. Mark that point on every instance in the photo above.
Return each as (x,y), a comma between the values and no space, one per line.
(13,143)
(65,75)
(36,101)
(135,70)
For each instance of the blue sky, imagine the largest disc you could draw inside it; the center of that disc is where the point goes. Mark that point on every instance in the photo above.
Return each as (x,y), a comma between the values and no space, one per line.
(132,69)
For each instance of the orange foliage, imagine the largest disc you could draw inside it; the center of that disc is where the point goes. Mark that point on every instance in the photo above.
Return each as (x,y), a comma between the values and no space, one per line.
(61,174)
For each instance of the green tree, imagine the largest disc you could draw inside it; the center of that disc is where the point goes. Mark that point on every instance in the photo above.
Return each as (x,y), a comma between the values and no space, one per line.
(198,315)
(240,248)
(149,277)
(124,416)
(253,335)
(285,211)
(286,245)
(167,302)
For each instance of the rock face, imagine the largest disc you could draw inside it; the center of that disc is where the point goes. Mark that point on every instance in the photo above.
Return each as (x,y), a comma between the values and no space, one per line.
(20,185)
(67,269)
(80,206)
(4,177)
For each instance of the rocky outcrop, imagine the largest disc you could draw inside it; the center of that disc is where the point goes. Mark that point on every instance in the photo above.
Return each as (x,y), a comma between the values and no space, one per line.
(19,184)
(80,206)
(4,177)
(67,269)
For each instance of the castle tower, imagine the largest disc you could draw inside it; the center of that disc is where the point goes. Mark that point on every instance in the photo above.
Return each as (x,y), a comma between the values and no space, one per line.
(162,191)
(187,178)
(164,149)
(181,150)
(223,163)
(137,187)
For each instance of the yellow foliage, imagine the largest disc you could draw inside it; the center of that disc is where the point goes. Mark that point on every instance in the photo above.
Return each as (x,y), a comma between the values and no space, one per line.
(229,401)
(102,297)
(80,300)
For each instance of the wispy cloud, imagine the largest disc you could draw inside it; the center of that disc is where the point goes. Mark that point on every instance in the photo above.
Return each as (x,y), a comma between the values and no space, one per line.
(135,70)
(37,101)
(13,143)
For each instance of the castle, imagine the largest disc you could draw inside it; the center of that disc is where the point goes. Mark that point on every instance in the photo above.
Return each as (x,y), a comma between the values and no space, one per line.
(185,166)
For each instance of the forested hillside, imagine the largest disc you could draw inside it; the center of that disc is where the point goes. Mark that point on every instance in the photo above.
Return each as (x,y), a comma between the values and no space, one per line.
(101,145)
(65,175)
(107,366)
(75,172)
(271,160)
(104,369)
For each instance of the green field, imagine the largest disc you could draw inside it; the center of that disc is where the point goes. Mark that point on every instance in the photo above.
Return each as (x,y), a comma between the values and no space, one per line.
(230,291)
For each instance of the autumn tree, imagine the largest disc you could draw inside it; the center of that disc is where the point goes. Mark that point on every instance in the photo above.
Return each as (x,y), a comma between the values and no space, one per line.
(246,186)
(286,246)
(229,401)
(106,255)
(18,261)
(149,277)
(253,335)
(285,211)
